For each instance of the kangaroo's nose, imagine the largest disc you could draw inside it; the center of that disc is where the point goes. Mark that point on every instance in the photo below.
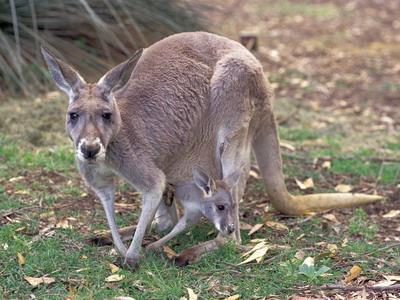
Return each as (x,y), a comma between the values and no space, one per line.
(230,228)
(90,151)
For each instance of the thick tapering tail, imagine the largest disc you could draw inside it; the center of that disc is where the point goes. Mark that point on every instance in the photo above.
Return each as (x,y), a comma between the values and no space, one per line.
(300,205)
(267,151)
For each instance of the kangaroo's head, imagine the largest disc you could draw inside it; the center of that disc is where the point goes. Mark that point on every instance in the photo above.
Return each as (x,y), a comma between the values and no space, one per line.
(93,118)
(219,206)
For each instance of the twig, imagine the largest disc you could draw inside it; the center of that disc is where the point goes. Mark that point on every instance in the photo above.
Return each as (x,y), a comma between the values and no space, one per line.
(366,159)
(288,117)
(16,210)
(301,221)
(383,248)
(395,287)
(238,273)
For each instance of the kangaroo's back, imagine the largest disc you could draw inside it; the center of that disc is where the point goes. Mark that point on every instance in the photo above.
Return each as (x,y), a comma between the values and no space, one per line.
(170,102)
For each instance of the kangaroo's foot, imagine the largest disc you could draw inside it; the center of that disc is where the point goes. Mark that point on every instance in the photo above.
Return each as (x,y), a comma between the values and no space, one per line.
(105,239)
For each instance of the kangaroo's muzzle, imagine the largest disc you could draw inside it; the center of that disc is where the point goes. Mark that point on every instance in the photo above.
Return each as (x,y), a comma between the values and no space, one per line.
(90,149)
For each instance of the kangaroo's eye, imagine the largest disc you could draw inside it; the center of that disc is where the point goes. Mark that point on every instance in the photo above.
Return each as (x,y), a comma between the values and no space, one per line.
(106,115)
(73,116)
(221,207)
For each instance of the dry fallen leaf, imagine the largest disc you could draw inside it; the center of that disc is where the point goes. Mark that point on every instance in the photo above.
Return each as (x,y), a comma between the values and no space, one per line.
(233,297)
(254,174)
(384,283)
(333,249)
(114,278)
(330,217)
(343,188)
(258,253)
(191,294)
(35,281)
(300,255)
(21,259)
(21,192)
(15,178)
(326,164)
(391,214)
(300,236)
(169,252)
(354,272)
(306,184)
(255,228)
(276,225)
(113,268)
(245,226)
(259,245)
(392,277)
(63,224)
(287,145)
(256,241)
(81,270)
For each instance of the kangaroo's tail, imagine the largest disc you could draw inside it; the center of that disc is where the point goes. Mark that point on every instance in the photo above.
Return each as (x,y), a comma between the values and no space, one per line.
(267,151)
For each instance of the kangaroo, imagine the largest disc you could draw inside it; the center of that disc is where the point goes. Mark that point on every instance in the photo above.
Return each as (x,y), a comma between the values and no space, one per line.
(208,198)
(153,117)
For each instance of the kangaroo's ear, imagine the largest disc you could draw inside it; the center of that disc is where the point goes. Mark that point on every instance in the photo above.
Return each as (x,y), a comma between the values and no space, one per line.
(118,76)
(203,181)
(66,78)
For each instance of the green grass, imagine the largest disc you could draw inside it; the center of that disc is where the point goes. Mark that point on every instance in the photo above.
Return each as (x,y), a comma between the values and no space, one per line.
(297,134)
(79,269)
(359,225)
(319,11)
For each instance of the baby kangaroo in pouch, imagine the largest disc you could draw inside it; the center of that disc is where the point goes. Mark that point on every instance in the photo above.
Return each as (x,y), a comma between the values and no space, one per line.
(205,197)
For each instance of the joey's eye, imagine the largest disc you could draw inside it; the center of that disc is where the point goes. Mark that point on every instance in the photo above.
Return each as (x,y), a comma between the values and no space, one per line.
(73,116)
(106,115)
(207,189)
(221,207)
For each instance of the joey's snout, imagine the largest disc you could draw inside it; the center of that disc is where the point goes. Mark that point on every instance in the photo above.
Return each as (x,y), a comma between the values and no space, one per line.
(230,228)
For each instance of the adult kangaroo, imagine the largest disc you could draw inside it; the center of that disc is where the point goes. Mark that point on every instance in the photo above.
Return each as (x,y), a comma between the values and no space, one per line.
(152,118)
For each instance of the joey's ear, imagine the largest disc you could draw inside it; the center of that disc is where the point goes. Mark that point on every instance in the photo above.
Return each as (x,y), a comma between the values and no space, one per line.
(203,181)
(118,76)
(66,78)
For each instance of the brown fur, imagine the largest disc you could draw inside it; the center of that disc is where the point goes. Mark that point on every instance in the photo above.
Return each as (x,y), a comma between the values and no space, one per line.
(187,95)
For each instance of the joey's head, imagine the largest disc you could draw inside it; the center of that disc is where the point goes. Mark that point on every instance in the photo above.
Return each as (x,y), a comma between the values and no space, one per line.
(93,117)
(219,206)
